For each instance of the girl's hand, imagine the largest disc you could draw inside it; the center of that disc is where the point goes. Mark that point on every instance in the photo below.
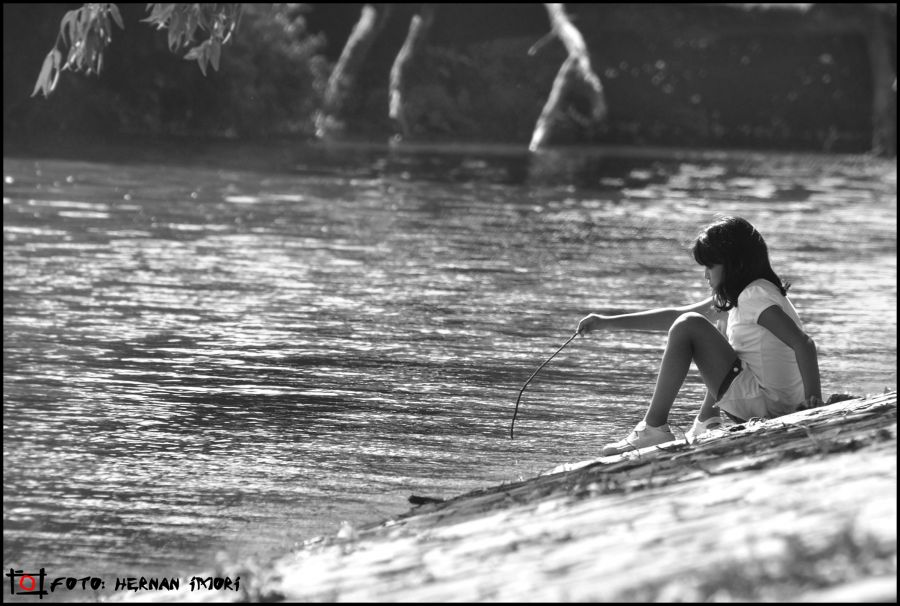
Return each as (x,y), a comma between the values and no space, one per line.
(589,323)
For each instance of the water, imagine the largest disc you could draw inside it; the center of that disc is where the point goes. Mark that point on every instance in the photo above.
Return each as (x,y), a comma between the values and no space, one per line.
(233,354)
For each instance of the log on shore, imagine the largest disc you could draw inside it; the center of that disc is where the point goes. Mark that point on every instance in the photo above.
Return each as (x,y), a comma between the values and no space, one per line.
(798,508)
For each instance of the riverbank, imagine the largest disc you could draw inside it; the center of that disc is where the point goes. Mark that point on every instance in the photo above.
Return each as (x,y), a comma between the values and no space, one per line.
(799,508)
(806,78)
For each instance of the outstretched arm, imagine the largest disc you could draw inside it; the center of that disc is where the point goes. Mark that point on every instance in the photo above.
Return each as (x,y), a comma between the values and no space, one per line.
(653,319)
(782,326)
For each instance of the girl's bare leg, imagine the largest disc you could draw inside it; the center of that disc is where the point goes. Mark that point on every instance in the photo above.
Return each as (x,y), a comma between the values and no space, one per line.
(691,338)
(708,409)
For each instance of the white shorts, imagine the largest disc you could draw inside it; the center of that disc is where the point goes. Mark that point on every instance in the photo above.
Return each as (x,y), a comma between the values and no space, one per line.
(746,399)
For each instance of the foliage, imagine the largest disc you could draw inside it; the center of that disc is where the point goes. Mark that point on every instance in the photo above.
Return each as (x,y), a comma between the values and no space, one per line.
(688,75)
(87,32)
(273,79)
(267,83)
(269,80)
(185,21)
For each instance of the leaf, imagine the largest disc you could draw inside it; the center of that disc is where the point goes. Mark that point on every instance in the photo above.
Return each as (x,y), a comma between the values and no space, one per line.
(67,25)
(90,44)
(201,54)
(233,16)
(56,72)
(154,9)
(116,15)
(76,29)
(194,53)
(82,22)
(175,30)
(43,79)
(191,24)
(202,18)
(49,74)
(73,60)
(201,61)
(159,14)
(215,53)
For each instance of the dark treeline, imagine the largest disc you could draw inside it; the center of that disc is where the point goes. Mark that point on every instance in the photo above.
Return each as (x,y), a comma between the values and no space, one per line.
(682,75)
(267,81)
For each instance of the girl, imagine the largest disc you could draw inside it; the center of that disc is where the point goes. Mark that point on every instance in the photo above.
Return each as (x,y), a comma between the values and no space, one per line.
(768,365)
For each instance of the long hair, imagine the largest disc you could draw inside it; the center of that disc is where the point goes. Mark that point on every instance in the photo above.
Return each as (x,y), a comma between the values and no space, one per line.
(735,244)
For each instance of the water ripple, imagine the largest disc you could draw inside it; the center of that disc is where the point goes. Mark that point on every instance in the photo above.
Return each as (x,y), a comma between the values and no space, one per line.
(211,359)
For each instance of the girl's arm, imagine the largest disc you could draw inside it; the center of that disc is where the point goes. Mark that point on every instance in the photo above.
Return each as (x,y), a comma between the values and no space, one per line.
(782,326)
(653,319)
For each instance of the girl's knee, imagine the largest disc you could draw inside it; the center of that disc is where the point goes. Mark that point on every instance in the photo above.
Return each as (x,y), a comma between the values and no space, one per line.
(688,321)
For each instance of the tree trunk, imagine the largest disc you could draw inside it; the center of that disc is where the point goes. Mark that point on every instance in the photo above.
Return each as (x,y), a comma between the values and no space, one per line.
(577,64)
(877,23)
(884,88)
(418,30)
(553,109)
(371,21)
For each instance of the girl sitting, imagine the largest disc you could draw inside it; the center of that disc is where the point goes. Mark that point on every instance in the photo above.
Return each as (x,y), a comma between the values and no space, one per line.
(766,367)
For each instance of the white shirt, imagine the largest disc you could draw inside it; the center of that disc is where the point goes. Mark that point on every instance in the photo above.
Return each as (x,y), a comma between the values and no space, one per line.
(767,356)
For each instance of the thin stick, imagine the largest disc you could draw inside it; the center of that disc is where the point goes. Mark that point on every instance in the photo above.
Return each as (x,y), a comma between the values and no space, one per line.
(529,381)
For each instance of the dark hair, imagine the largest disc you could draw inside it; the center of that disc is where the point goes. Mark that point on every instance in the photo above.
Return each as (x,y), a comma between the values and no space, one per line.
(741,250)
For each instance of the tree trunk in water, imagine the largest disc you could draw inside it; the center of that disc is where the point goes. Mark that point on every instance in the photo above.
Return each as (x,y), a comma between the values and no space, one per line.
(418,30)
(553,107)
(371,21)
(577,64)
(884,88)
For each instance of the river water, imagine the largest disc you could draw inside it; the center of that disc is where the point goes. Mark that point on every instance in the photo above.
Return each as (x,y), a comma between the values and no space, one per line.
(222,355)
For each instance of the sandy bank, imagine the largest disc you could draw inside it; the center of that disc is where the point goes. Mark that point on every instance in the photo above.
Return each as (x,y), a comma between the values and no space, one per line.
(800,508)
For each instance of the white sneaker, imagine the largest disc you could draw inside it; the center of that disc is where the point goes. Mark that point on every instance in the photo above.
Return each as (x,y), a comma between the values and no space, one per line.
(701,427)
(641,437)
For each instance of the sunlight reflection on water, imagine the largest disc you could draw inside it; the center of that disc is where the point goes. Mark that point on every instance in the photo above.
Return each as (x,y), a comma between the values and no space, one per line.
(200,359)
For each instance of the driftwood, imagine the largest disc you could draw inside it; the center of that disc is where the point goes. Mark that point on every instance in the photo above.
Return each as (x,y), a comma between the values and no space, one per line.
(799,508)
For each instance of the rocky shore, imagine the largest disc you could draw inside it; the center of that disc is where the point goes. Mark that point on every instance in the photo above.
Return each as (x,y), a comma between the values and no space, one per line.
(799,508)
